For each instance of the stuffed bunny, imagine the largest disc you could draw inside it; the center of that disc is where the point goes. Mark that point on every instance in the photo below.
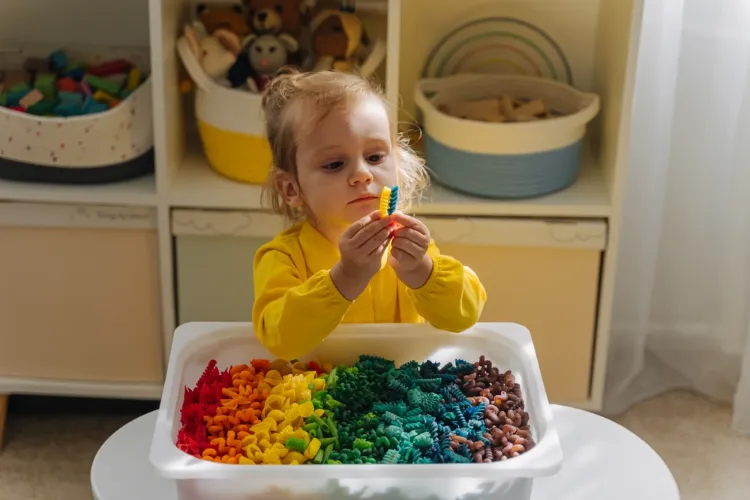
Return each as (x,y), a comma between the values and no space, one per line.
(265,55)
(215,53)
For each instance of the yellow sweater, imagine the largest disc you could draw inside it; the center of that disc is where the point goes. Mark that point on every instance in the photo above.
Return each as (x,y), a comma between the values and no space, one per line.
(297,305)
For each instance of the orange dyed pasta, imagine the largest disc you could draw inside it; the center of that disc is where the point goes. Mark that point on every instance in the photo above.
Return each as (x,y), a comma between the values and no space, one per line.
(240,408)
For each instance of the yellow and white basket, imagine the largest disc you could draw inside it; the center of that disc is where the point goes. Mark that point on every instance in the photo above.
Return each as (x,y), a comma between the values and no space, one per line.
(230,121)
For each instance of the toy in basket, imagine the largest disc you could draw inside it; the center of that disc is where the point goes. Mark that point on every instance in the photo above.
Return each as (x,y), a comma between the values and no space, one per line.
(80,115)
(492,132)
(230,74)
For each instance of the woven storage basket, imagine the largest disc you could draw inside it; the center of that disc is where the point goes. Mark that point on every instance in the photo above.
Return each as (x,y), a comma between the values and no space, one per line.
(492,57)
(113,145)
(504,160)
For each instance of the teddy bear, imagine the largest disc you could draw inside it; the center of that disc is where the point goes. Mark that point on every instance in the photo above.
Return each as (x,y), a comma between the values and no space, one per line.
(338,37)
(216,53)
(263,56)
(278,16)
(229,17)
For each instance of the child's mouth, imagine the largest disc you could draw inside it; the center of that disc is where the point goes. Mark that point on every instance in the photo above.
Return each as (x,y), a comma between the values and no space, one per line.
(363,199)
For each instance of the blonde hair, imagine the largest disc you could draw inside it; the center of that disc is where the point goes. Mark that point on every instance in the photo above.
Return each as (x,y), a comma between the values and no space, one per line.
(289,91)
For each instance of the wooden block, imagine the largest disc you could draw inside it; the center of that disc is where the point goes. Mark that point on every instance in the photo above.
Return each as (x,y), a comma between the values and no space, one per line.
(535,107)
(31,98)
(485,110)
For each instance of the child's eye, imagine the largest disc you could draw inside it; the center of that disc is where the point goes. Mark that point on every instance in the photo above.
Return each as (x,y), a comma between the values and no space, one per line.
(334,165)
(375,158)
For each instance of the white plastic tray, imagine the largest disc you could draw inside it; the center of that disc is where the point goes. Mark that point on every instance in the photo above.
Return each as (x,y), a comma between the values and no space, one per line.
(507,345)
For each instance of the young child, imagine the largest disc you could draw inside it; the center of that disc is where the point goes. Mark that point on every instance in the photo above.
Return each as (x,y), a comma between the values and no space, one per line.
(333,152)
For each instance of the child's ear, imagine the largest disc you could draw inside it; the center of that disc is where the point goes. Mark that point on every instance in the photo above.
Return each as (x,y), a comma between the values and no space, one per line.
(289,189)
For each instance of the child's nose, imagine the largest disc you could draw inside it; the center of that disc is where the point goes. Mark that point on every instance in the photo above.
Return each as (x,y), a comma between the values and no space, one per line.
(362,173)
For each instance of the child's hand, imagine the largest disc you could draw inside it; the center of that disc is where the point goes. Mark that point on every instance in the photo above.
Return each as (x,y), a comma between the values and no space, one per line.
(361,247)
(409,251)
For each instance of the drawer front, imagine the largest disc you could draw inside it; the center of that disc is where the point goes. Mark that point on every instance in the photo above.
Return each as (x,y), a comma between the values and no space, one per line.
(79,297)
(543,275)
(214,252)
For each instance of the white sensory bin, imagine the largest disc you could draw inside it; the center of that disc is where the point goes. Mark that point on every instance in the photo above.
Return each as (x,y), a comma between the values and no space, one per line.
(507,345)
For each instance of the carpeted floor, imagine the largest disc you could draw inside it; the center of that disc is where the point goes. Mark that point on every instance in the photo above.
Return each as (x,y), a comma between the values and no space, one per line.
(50,444)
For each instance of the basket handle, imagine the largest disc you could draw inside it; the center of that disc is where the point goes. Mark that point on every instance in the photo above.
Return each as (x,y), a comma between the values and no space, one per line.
(431,86)
(192,66)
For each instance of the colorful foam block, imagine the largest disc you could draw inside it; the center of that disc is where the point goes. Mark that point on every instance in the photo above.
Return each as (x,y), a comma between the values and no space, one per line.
(111,67)
(42,108)
(73,98)
(67,109)
(58,60)
(15,96)
(91,105)
(134,78)
(31,98)
(98,83)
(103,97)
(58,86)
(67,84)
(45,82)
(75,72)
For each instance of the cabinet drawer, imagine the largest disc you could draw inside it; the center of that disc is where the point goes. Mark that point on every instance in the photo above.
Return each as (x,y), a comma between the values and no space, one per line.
(543,275)
(79,295)
(214,252)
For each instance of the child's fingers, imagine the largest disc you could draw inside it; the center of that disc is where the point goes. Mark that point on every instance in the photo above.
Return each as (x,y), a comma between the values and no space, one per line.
(407,233)
(409,247)
(369,231)
(408,221)
(375,241)
(399,256)
(357,226)
(379,249)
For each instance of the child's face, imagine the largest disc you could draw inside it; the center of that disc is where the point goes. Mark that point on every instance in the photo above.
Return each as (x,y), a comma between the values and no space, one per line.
(344,161)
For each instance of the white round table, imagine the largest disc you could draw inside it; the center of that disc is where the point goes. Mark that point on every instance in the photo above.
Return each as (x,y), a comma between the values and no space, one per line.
(601,460)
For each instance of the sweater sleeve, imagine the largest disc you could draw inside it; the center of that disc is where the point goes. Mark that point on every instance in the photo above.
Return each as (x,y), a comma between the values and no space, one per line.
(291,316)
(453,297)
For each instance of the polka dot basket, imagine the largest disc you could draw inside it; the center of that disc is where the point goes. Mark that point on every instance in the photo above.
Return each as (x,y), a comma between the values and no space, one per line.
(108,146)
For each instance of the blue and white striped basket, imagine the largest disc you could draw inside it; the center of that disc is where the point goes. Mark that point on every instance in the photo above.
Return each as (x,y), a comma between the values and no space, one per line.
(504,160)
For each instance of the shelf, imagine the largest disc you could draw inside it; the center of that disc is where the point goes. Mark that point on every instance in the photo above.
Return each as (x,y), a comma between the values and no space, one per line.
(197,185)
(135,192)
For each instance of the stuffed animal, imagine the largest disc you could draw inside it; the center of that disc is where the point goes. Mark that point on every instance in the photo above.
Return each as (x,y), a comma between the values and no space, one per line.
(264,55)
(229,17)
(278,16)
(337,38)
(215,53)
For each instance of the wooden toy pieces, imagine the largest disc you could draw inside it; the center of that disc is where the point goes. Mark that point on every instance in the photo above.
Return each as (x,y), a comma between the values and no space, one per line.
(500,109)
(56,86)
(388,200)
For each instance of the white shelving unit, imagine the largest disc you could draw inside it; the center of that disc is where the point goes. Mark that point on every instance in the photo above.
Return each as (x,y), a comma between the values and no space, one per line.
(600,37)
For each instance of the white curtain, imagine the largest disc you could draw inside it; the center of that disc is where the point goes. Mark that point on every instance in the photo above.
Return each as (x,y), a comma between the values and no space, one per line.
(682,294)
